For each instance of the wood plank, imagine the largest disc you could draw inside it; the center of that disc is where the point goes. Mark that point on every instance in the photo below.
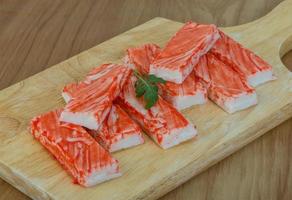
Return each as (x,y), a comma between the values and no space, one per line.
(224,138)
(9,192)
(261,170)
(244,11)
(36,34)
(287,60)
(249,177)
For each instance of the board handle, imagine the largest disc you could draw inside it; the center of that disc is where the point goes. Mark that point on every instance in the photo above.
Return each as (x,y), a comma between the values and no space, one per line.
(274,30)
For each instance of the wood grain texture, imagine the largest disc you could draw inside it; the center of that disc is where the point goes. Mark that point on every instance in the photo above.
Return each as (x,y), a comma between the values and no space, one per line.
(261,170)
(31,170)
(204,10)
(36,34)
(9,192)
(287,59)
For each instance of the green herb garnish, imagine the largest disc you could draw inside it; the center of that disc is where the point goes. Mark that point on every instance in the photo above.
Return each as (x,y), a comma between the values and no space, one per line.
(146,86)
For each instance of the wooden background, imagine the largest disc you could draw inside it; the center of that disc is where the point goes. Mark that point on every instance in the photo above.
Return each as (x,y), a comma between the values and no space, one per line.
(36,34)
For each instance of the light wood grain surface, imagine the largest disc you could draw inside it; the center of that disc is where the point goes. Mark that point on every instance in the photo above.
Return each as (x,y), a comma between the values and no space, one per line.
(41,48)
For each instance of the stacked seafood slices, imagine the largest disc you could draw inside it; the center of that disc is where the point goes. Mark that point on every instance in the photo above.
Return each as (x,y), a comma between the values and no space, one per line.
(104,115)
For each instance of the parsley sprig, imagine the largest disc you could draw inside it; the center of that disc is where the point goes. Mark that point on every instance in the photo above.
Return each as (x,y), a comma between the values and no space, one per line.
(146,85)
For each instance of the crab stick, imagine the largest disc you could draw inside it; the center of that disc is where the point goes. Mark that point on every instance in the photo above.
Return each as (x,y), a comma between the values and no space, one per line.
(176,61)
(84,159)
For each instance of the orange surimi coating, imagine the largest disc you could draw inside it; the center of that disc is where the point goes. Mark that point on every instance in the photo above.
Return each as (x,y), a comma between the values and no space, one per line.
(92,102)
(162,122)
(140,58)
(226,87)
(245,62)
(118,131)
(181,96)
(74,148)
(70,89)
(191,92)
(182,52)
(106,103)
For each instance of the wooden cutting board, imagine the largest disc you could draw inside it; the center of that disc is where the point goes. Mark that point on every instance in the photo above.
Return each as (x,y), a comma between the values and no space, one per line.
(148,171)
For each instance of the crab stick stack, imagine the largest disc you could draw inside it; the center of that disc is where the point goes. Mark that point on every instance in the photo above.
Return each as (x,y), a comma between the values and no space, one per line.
(226,87)
(190,92)
(118,131)
(245,62)
(91,103)
(162,122)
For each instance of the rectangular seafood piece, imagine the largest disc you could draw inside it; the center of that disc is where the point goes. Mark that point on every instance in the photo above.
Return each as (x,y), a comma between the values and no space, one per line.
(141,57)
(181,96)
(92,101)
(254,68)
(226,87)
(182,52)
(118,131)
(190,92)
(162,122)
(75,149)
(70,89)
